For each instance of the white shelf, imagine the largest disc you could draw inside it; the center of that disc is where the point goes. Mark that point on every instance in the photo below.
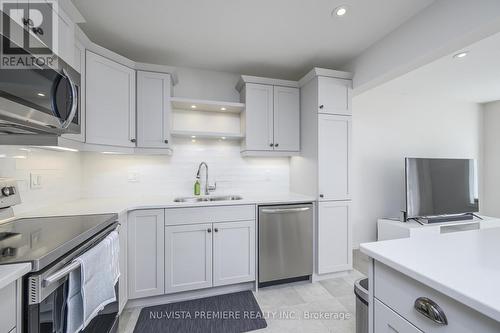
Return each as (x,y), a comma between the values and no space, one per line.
(206,105)
(207,135)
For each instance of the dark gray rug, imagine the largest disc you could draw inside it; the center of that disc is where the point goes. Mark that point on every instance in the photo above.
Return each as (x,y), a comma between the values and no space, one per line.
(230,313)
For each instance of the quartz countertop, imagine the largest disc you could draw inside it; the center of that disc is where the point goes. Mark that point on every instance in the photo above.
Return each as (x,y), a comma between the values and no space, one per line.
(463,265)
(10,273)
(121,205)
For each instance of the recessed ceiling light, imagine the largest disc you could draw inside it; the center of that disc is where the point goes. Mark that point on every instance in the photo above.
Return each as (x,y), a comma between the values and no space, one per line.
(340,11)
(223,109)
(193,136)
(41,94)
(223,138)
(193,106)
(461,54)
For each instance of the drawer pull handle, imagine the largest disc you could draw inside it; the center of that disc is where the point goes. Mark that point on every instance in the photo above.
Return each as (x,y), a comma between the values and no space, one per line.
(428,308)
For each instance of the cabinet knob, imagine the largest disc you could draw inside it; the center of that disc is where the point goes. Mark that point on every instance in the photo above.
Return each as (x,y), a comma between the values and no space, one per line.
(216,230)
(270,145)
(166,141)
(321,196)
(133,140)
(321,106)
(276,144)
(209,230)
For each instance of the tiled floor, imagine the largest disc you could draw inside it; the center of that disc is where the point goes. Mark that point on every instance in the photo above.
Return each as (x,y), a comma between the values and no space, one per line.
(327,306)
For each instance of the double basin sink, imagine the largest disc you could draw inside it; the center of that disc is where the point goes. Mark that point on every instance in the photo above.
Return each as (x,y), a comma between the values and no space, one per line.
(209,198)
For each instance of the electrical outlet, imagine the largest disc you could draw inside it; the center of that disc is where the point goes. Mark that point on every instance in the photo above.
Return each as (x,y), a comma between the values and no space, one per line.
(35,181)
(133,177)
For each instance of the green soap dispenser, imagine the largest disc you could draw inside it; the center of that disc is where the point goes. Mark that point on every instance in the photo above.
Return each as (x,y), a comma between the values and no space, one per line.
(197,186)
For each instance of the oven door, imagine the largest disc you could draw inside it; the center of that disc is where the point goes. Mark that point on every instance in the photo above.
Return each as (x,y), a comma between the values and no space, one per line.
(45,304)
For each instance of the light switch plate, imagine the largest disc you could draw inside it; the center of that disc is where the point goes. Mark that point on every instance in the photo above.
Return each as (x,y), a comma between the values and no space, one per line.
(35,181)
(133,177)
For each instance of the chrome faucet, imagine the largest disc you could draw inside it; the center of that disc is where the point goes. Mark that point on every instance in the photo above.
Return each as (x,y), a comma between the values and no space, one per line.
(208,188)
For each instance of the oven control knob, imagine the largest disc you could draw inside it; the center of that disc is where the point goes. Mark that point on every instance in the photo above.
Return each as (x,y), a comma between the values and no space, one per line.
(8,191)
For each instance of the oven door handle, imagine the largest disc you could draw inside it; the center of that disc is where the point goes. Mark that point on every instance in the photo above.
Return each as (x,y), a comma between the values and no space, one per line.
(54,277)
(60,273)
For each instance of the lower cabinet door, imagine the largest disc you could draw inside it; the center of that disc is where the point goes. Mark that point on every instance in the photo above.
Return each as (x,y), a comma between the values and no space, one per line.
(334,237)
(234,252)
(145,253)
(188,257)
(388,321)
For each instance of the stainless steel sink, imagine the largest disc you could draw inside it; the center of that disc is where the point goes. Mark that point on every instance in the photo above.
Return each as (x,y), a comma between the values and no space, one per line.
(209,198)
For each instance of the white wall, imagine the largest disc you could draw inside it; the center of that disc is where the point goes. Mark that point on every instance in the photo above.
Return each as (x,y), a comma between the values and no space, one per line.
(107,175)
(387,127)
(491,163)
(60,172)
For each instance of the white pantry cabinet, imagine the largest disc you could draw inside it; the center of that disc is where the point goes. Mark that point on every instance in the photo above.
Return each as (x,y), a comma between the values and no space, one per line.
(188,257)
(110,102)
(334,237)
(153,110)
(234,252)
(271,119)
(146,273)
(334,96)
(334,157)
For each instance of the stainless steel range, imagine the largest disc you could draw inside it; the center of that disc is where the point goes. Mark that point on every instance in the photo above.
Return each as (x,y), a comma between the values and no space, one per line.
(50,244)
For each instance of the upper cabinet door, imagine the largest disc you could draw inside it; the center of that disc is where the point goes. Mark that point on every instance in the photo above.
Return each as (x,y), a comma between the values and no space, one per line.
(286,119)
(258,117)
(334,157)
(110,102)
(334,96)
(153,110)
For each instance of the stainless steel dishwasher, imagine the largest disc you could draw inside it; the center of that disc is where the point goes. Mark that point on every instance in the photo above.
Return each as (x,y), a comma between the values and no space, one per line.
(285,243)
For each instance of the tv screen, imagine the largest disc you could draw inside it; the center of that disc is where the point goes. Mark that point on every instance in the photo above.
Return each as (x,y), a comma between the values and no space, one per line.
(440,187)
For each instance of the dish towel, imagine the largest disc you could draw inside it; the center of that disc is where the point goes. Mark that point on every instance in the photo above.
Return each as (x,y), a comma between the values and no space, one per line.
(92,287)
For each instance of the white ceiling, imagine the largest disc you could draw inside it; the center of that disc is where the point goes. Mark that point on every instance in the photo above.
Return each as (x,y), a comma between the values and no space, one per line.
(475,78)
(277,38)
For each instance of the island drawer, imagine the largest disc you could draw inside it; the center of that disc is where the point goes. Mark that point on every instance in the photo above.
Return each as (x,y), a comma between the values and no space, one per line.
(399,292)
(209,214)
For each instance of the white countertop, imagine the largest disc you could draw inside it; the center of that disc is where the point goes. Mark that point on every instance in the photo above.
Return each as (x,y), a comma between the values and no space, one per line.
(463,265)
(121,205)
(10,273)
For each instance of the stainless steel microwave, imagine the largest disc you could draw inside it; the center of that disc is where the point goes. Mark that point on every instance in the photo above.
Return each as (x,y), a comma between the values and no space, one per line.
(40,100)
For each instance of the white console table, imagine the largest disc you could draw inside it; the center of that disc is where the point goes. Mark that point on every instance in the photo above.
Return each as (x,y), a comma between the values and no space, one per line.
(393,228)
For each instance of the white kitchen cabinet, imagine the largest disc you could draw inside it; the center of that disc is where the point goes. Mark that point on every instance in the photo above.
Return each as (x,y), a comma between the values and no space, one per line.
(146,272)
(65,36)
(188,257)
(334,237)
(388,321)
(123,280)
(286,119)
(258,117)
(234,252)
(8,308)
(110,102)
(334,157)
(271,119)
(334,96)
(153,110)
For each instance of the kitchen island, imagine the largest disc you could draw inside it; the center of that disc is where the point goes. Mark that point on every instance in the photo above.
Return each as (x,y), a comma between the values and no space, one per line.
(438,283)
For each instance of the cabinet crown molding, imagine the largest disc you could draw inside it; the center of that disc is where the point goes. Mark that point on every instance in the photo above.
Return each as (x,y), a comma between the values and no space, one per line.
(316,71)
(264,80)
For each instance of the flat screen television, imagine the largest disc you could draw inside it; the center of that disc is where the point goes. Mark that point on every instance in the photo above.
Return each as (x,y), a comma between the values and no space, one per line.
(436,186)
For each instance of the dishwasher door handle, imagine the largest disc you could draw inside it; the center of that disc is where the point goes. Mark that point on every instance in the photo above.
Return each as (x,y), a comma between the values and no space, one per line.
(284,210)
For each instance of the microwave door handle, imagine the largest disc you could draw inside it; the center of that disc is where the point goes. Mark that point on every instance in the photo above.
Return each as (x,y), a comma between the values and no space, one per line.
(74,99)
